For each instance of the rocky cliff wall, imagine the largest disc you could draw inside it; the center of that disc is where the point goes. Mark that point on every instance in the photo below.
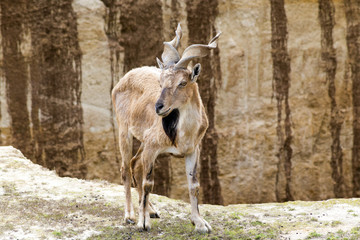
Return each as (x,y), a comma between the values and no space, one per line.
(282,132)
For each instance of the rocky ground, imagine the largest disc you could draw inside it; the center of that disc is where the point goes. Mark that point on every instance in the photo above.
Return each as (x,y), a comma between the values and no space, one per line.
(37,204)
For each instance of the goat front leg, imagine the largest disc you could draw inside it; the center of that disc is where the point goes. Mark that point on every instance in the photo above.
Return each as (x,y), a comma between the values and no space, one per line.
(148,159)
(191,160)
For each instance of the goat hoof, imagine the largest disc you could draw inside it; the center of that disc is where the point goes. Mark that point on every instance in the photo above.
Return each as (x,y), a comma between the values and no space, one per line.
(154,215)
(207,225)
(142,227)
(129,221)
(203,229)
(147,228)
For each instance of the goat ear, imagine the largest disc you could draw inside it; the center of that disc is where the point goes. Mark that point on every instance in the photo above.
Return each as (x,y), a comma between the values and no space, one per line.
(195,72)
(161,65)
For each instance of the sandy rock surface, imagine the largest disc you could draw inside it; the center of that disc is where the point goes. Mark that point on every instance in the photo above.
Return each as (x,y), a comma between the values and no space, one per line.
(37,204)
(245,110)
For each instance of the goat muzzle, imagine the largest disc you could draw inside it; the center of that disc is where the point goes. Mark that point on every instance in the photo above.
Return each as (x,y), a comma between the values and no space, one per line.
(159,108)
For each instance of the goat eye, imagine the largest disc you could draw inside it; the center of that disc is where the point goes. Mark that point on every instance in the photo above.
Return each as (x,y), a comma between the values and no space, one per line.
(182,84)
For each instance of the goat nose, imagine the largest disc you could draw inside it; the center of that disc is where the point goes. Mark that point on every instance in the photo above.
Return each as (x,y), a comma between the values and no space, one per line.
(158,106)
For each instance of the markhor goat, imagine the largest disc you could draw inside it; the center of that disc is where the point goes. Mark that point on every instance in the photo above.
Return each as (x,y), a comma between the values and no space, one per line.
(162,108)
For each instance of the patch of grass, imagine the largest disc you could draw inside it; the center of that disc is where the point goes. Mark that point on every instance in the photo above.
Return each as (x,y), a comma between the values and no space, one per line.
(59,215)
(172,227)
(257,223)
(9,189)
(354,234)
(335,223)
(234,216)
(57,234)
(331,236)
(355,230)
(6,227)
(260,236)
(313,235)
(233,233)
(53,216)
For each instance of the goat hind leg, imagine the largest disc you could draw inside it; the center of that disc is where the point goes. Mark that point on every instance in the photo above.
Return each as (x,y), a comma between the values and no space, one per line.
(148,160)
(137,170)
(125,143)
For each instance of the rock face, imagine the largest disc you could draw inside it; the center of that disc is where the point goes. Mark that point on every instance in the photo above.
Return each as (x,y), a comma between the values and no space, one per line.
(280,91)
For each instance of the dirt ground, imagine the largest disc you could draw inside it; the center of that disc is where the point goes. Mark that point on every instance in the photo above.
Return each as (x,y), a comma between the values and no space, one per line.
(37,204)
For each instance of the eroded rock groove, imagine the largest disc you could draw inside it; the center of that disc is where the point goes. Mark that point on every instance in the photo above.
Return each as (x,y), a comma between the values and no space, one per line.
(13,21)
(55,72)
(328,55)
(201,19)
(352,13)
(281,85)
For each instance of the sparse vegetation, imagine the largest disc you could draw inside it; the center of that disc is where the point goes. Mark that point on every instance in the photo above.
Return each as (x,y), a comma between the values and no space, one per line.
(313,235)
(353,234)
(335,223)
(57,234)
(183,229)
(63,208)
(234,216)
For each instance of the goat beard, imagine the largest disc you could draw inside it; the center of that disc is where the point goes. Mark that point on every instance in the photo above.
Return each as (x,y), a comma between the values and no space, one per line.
(170,123)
